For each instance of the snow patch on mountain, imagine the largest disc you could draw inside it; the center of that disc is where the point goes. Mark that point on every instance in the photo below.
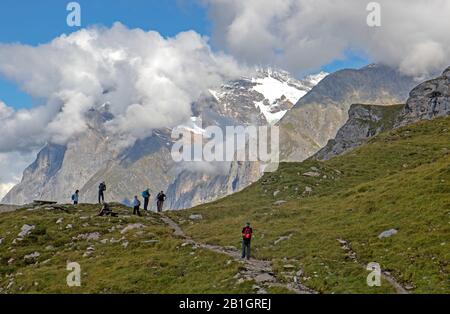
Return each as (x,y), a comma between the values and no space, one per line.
(273,89)
(281,92)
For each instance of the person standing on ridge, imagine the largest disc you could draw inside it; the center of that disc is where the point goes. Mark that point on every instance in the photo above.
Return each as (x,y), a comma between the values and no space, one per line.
(101,192)
(136,205)
(161,197)
(146,195)
(75,197)
(247,233)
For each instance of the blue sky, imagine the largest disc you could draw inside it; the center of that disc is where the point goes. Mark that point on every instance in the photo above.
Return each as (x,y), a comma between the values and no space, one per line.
(37,22)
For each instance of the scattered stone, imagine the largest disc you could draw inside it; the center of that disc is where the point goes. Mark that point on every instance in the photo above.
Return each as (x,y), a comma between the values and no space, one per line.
(60,220)
(150,241)
(49,248)
(283,238)
(276,193)
(10,284)
(308,190)
(288,266)
(125,244)
(26,230)
(32,256)
(264,277)
(69,226)
(196,217)
(116,240)
(342,242)
(88,253)
(1,240)
(131,227)
(280,202)
(387,233)
(10,261)
(104,241)
(311,174)
(95,236)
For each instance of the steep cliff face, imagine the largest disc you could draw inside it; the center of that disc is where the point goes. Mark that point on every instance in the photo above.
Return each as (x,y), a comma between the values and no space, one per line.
(317,116)
(48,162)
(428,100)
(60,169)
(197,188)
(364,122)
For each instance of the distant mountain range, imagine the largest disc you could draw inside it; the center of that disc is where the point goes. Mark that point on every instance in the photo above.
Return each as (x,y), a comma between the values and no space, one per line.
(317,116)
(93,157)
(309,113)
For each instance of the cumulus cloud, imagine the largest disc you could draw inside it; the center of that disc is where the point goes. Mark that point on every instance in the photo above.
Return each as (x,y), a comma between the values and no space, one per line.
(149,82)
(302,35)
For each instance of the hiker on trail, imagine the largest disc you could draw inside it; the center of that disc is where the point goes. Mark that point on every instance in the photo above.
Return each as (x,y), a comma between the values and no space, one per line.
(75,197)
(136,205)
(246,239)
(106,211)
(161,197)
(101,192)
(146,196)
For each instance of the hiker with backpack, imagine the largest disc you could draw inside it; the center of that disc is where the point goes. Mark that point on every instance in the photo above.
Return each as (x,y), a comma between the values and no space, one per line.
(101,192)
(161,197)
(146,196)
(247,233)
(75,197)
(136,206)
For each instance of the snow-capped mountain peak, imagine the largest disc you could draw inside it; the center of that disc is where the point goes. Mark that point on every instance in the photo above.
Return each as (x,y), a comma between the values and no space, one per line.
(271,92)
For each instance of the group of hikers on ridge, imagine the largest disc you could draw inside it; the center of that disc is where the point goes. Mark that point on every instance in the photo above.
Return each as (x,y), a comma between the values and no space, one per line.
(247,231)
(136,203)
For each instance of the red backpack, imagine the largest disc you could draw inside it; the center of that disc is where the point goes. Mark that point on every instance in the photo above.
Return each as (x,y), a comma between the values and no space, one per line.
(247,233)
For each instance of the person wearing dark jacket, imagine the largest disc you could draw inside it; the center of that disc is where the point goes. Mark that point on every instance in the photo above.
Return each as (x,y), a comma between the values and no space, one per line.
(101,192)
(247,233)
(106,211)
(161,197)
(146,196)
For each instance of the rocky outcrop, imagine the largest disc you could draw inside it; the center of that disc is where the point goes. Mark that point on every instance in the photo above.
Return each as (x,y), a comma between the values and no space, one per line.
(429,100)
(317,116)
(364,122)
(426,101)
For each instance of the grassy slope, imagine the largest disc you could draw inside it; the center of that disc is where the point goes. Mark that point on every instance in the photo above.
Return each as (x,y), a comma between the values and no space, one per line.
(164,267)
(400,179)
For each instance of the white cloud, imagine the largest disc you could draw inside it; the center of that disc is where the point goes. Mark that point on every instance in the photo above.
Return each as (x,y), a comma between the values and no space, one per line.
(302,35)
(149,81)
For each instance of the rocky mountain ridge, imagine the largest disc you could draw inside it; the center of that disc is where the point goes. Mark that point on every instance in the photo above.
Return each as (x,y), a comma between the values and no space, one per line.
(428,100)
